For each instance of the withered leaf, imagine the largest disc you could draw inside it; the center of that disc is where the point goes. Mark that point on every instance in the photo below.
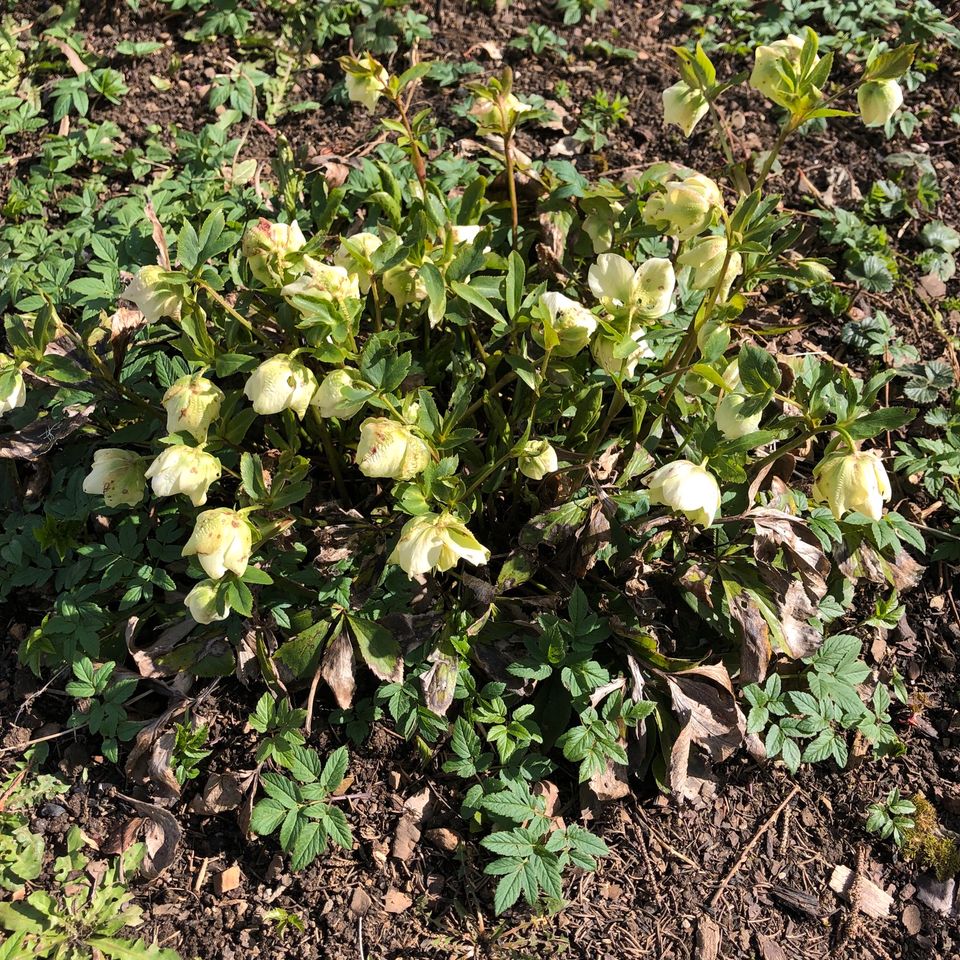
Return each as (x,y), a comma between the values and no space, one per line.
(157,860)
(337,669)
(776,530)
(222,792)
(755,635)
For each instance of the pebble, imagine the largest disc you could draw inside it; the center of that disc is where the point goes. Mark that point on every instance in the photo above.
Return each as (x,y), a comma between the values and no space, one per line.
(52,811)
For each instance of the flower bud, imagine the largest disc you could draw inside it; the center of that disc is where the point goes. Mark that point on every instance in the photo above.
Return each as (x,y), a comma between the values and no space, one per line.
(538,459)
(390,449)
(183,469)
(404,284)
(117,475)
(322,281)
(852,481)
(367,244)
(686,488)
(332,397)
(814,271)
(684,106)
(729,421)
(879,100)
(192,404)
(281,383)
(153,296)
(608,352)
(766,77)
(601,215)
(572,322)
(222,540)
(704,258)
(464,232)
(648,290)
(12,385)
(684,208)
(201,601)
(498,116)
(267,247)
(731,376)
(436,542)
(366,82)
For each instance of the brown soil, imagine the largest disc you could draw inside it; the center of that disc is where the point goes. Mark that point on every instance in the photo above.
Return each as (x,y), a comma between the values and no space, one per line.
(648,898)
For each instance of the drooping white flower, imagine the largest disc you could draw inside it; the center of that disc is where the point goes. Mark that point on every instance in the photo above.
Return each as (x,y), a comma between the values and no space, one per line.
(404,283)
(267,248)
(684,208)
(201,601)
(183,469)
(222,540)
(766,77)
(346,256)
(117,476)
(647,290)
(436,542)
(684,107)
(572,322)
(192,404)
(537,459)
(494,117)
(153,296)
(390,449)
(704,258)
(281,383)
(852,481)
(321,281)
(687,488)
(332,397)
(730,422)
(366,83)
(605,350)
(879,100)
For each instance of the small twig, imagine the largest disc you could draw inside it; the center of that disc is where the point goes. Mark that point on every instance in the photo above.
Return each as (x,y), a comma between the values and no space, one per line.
(360,936)
(738,863)
(310,698)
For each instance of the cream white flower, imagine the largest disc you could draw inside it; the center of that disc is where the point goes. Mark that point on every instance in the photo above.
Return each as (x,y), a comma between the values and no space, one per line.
(390,449)
(183,469)
(222,540)
(267,248)
(201,601)
(537,459)
(154,297)
(281,383)
(852,481)
(879,100)
(684,107)
(366,243)
(684,208)
(704,258)
(404,284)
(322,281)
(729,420)
(192,404)
(686,488)
(436,542)
(366,85)
(332,398)
(648,290)
(15,395)
(766,77)
(465,232)
(572,322)
(494,117)
(731,376)
(605,349)
(117,476)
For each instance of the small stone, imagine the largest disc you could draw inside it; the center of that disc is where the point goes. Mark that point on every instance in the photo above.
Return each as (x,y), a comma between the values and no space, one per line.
(911,919)
(52,810)
(443,839)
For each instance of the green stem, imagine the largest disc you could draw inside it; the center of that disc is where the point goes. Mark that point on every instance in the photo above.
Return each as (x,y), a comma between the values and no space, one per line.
(416,157)
(511,186)
(259,334)
(333,458)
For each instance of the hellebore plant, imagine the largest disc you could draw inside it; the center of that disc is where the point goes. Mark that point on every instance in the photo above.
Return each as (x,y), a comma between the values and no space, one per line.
(450,407)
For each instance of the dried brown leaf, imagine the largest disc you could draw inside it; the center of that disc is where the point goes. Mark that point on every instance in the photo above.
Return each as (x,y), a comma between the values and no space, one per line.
(42,435)
(338,667)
